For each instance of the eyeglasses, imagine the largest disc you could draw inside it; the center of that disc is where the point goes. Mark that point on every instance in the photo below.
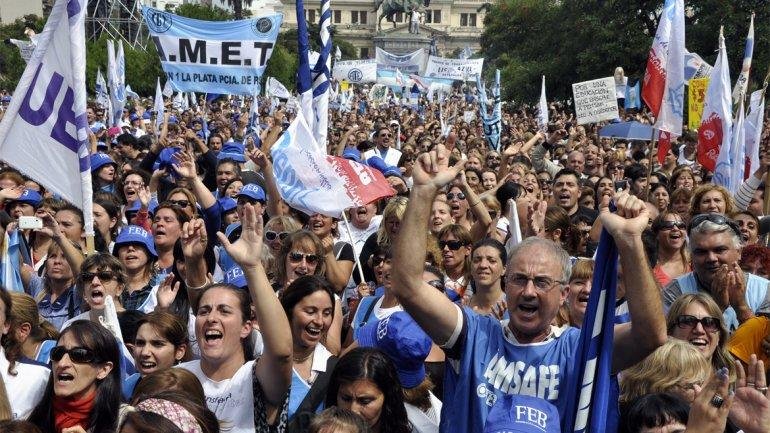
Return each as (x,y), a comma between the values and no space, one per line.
(437,284)
(297,257)
(452,245)
(180,203)
(542,284)
(689,386)
(103,276)
(452,195)
(710,324)
(715,218)
(80,355)
(133,183)
(668,225)
(271,235)
(497,157)
(378,260)
(385,135)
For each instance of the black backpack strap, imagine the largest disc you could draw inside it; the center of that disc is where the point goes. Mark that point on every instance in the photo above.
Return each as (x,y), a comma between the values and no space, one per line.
(368,313)
(304,414)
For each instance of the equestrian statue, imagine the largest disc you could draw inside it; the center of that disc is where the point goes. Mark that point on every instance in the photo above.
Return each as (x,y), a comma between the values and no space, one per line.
(391,7)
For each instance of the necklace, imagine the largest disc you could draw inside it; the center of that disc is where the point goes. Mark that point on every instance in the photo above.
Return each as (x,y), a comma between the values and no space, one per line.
(301,360)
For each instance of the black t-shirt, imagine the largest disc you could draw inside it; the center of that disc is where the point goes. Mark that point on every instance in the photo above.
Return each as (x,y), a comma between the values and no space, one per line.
(585,214)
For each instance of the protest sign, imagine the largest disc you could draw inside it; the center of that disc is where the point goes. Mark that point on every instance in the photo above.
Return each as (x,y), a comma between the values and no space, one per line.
(453,69)
(696,96)
(356,71)
(216,57)
(412,63)
(595,100)
(44,131)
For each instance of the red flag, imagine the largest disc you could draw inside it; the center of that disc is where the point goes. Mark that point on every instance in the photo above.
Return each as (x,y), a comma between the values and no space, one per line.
(363,184)
(664,145)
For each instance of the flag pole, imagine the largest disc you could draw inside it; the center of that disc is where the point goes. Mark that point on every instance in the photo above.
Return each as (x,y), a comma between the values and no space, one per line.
(353,244)
(649,167)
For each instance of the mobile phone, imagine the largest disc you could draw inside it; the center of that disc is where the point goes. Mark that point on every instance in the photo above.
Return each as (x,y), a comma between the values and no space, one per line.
(621,185)
(30,222)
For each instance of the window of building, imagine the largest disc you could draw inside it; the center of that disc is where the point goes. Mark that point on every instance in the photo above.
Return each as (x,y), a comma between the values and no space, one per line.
(358,17)
(468,20)
(336,17)
(310,15)
(433,16)
(364,53)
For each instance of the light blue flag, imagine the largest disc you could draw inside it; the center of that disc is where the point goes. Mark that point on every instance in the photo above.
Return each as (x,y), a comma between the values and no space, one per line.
(225,57)
(633,99)
(587,409)
(10,262)
(491,122)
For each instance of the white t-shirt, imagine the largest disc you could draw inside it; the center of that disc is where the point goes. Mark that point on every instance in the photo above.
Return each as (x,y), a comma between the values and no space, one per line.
(26,387)
(424,422)
(232,400)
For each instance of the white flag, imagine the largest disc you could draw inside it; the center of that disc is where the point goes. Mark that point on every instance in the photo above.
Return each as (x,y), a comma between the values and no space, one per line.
(168,91)
(44,131)
(337,54)
(743,79)
(715,132)
(275,88)
(754,130)
(158,107)
(671,115)
(542,109)
(102,95)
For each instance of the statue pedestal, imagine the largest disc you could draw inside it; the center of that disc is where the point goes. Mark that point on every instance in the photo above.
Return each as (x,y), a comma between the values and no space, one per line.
(398,40)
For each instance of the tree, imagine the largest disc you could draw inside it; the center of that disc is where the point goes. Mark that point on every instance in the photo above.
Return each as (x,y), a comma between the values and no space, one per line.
(237,6)
(203,12)
(570,40)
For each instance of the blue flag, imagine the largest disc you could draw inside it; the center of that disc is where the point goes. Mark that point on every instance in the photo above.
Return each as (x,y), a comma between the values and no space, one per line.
(10,260)
(633,99)
(587,410)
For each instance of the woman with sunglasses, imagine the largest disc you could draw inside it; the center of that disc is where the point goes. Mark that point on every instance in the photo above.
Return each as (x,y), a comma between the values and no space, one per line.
(277,229)
(301,254)
(248,395)
(672,257)
(463,201)
(100,275)
(696,319)
(83,393)
(455,241)
(22,384)
(338,256)
(185,199)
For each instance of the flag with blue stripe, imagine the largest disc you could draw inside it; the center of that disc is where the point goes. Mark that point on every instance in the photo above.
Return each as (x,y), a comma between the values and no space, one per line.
(587,410)
(321,75)
(491,122)
(632,99)
(304,77)
(10,260)
(743,79)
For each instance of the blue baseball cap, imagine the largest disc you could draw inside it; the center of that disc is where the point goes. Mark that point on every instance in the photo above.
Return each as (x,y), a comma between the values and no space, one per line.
(352,153)
(166,160)
(235,277)
(29,196)
(522,414)
(392,170)
(402,339)
(253,191)
(146,115)
(137,204)
(232,150)
(228,204)
(133,117)
(135,235)
(172,120)
(99,160)
(377,163)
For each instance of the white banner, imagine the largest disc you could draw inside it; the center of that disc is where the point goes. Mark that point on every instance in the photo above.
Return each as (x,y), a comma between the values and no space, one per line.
(44,131)
(595,100)
(412,63)
(356,71)
(453,69)
(275,88)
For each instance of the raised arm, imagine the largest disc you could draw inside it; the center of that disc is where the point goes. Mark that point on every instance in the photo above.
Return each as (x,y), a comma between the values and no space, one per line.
(432,310)
(647,331)
(185,167)
(274,367)
(274,199)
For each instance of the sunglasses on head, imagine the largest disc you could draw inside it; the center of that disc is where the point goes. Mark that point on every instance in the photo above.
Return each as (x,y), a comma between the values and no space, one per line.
(271,235)
(452,245)
(103,276)
(297,257)
(710,324)
(714,218)
(668,225)
(180,203)
(452,195)
(80,355)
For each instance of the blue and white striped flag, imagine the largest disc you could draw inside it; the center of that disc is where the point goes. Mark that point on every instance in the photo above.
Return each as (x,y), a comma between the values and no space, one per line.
(587,409)
(304,76)
(159,107)
(743,79)
(10,260)
(491,122)
(321,76)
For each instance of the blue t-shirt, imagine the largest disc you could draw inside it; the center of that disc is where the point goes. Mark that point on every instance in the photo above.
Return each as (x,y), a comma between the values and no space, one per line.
(65,307)
(485,363)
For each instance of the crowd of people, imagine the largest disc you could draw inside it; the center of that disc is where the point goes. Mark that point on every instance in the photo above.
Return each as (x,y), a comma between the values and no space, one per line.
(455,305)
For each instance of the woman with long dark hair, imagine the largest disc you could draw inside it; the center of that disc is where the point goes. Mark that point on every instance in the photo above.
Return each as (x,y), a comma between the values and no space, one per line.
(365,381)
(84,386)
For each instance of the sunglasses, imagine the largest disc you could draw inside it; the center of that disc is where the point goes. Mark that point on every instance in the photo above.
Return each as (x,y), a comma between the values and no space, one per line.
(385,135)
(613,167)
(452,245)
(296,257)
(79,355)
(715,218)
(710,324)
(378,260)
(452,195)
(437,284)
(271,235)
(103,276)
(668,225)
(180,203)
